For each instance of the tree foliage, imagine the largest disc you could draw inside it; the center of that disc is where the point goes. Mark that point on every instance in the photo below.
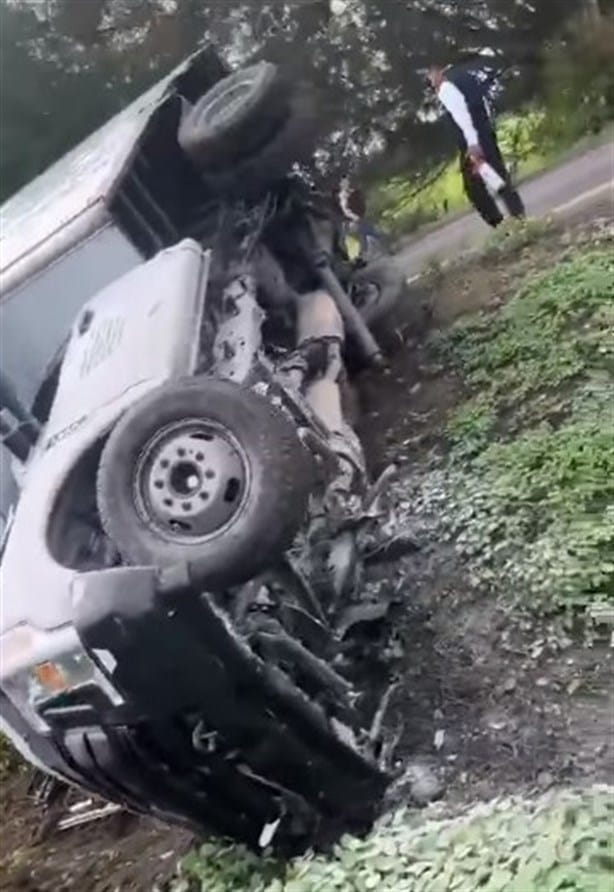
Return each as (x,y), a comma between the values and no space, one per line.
(68,64)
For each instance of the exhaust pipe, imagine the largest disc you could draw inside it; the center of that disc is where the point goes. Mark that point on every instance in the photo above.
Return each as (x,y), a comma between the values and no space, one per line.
(357,326)
(319,256)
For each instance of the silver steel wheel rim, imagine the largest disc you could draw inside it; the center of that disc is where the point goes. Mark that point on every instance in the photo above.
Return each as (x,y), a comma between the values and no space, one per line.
(191,480)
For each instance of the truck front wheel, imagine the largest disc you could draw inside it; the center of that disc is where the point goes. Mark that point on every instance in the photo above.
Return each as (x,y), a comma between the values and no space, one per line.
(204,472)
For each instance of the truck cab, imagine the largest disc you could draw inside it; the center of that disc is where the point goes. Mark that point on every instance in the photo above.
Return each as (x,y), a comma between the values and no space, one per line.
(110,204)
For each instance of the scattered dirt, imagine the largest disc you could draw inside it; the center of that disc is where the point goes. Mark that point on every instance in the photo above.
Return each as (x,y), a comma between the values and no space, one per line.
(494,702)
(490,700)
(120,853)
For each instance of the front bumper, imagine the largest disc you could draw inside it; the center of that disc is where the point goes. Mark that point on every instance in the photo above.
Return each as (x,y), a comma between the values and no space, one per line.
(207,734)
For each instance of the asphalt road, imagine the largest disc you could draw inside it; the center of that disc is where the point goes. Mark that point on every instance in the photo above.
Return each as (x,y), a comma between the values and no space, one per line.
(583,184)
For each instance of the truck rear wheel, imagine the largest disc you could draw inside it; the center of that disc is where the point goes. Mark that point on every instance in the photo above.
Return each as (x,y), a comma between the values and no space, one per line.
(245,134)
(235,117)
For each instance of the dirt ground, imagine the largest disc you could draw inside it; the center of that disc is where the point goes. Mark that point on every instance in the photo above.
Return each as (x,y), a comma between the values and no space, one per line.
(490,699)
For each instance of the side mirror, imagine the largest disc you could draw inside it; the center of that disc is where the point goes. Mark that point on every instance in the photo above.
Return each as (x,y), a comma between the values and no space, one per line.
(18,427)
(14,434)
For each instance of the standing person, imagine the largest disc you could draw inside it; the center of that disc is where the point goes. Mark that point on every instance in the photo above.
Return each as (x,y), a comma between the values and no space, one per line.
(353,207)
(464,98)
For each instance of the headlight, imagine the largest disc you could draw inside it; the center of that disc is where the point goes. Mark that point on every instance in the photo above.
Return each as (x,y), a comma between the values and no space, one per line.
(38,665)
(32,686)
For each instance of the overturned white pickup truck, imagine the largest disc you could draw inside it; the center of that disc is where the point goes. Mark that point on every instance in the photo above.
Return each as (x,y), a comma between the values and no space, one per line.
(181,488)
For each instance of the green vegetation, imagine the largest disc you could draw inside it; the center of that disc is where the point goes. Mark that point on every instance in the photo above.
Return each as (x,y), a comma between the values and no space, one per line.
(530,476)
(531,141)
(405,203)
(560,842)
(556,327)
(575,100)
(578,77)
(513,235)
(540,509)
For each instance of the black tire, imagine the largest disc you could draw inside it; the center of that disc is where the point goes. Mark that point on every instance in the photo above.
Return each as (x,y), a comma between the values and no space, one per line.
(235,117)
(377,288)
(293,142)
(269,491)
